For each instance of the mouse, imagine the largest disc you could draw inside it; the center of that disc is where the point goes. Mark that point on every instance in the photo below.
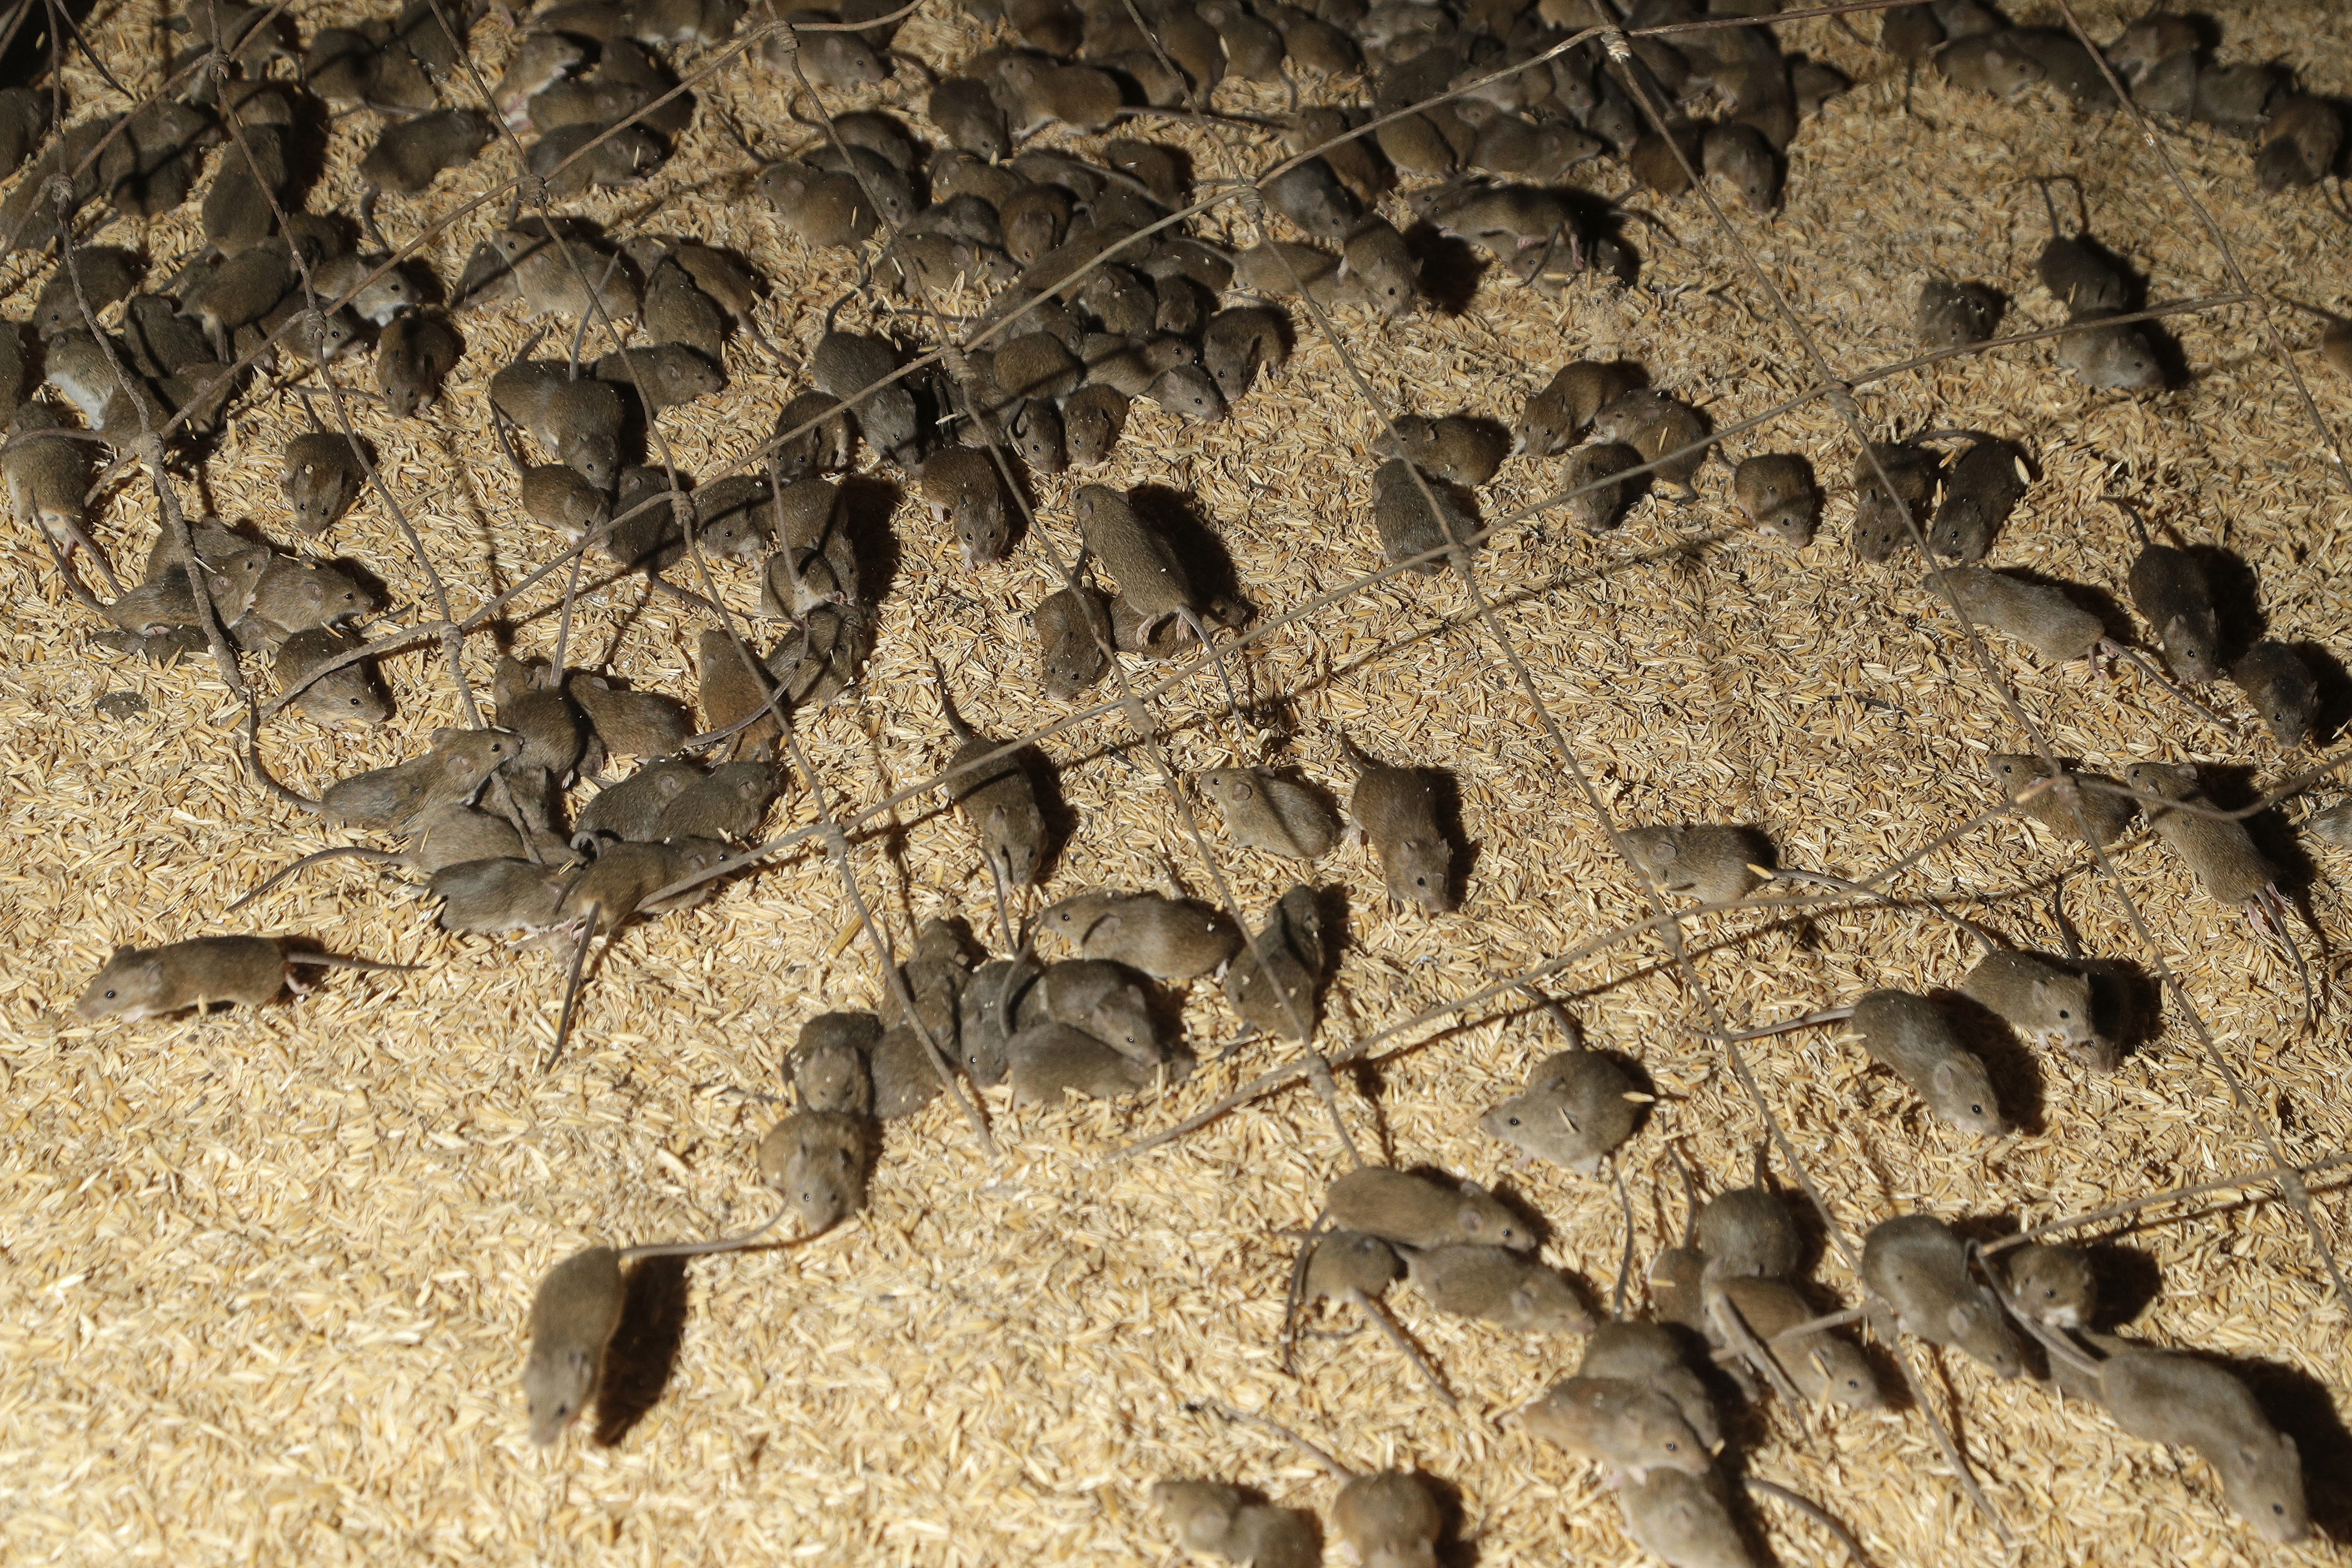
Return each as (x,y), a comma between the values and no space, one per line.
(997,799)
(629,723)
(725,804)
(1982,487)
(2169,589)
(904,1078)
(1103,999)
(1151,577)
(493,897)
(1073,627)
(410,154)
(2110,356)
(936,973)
(1456,448)
(827,209)
(1951,314)
(967,115)
(1684,1518)
(1713,863)
(46,477)
(1396,810)
(1912,1036)
(1165,938)
(1742,155)
(1210,1516)
(825,447)
(574,1314)
(1379,266)
(828,1062)
(1412,1210)
(414,356)
(1272,983)
(1092,420)
(394,796)
(2039,614)
(665,375)
(447,835)
(1654,425)
(1821,1365)
(845,364)
(1264,810)
(735,685)
(1776,491)
(1410,533)
(2077,270)
(631,810)
(1577,1108)
(961,487)
(1387,1519)
(2280,687)
(380,290)
(1498,1286)
(1629,1427)
(1884,517)
(350,695)
(147,982)
(539,715)
(322,477)
(2220,852)
(1237,344)
(106,274)
(293,595)
(1919,1269)
(2042,1000)
(558,274)
(1595,495)
(2164,1397)
(1047,1061)
(576,420)
(2105,812)
(1748,1233)
(984,1016)
(2053,1283)
(170,599)
(2297,144)
(1557,415)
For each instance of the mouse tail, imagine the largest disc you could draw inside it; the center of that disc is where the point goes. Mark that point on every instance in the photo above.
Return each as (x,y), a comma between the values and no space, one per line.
(571,988)
(359,850)
(1624,1258)
(1296,1295)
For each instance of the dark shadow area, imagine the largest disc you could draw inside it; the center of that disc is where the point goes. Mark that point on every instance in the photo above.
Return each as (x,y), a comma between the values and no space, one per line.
(2126,1281)
(2237,598)
(1175,515)
(1451,269)
(2127,1002)
(644,1352)
(1445,801)
(2335,683)
(867,502)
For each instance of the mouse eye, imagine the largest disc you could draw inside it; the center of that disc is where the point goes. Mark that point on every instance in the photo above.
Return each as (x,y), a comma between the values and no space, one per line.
(2064,1014)
(1515,1121)
(110,996)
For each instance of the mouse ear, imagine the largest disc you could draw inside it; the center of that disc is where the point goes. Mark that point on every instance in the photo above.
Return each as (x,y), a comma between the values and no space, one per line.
(1473,1189)
(1471,1221)
(1962,1317)
(444,736)
(124,950)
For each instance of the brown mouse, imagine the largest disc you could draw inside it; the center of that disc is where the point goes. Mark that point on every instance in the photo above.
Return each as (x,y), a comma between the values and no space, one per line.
(845,364)
(2164,1398)
(1819,1365)
(828,1062)
(968,116)
(46,477)
(1409,529)
(574,1314)
(1092,419)
(1684,1518)
(2169,589)
(1073,631)
(962,489)
(1456,448)
(2219,851)
(631,810)
(1915,1266)
(727,803)
(997,798)
(493,897)
(1776,491)
(2280,687)
(413,357)
(410,154)
(1982,488)
(392,797)
(1239,342)
(1396,810)
(2041,999)
(1884,518)
(2042,615)
(106,275)
(1710,862)
(296,596)
(1210,1516)
(1577,1106)
(1558,414)
(734,686)
(147,982)
(350,695)
(1654,425)
(2107,813)
(1168,939)
(630,723)
(321,480)
(1748,1233)
(169,599)
(1151,577)
(1629,1426)
(1105,1000)
(1420,1211)
(1741,154)
(1264,810)
(2298,143)
(936,973)
(2053,1283)
(664,376)
(818,1158)
(1272,982)
(984,1014)
(576,420)
(1953,315)
(1914,1038)
(824,448)
(1498,1286)
(1047,1061)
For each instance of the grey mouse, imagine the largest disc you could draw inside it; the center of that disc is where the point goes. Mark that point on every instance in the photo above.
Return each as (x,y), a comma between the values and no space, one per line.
(1497,1285)
(147,982)
(1948,314)
(322,477)
(1625,1425)
(2053,1283)
(1776,491)
(1166,938)
(1980,490)
(1273,982)
(2169,1398)
(1264,810)
(1577,1108)
(1714,863)
(996,798)
(1051,1060)
(2043,999)
(828,1062)
(2280,687)
(818,1159)
(1409,529)
(1419,1211)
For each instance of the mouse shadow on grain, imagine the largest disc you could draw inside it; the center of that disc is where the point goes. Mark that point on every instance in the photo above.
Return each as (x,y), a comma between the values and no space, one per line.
(2335,683)
(1449,268)
(644,1351)
(1445,800)
(867,505)
(1175,515)
(2237,598)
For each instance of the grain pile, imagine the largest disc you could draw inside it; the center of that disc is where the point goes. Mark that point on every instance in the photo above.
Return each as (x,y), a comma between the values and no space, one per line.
(269,1268)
